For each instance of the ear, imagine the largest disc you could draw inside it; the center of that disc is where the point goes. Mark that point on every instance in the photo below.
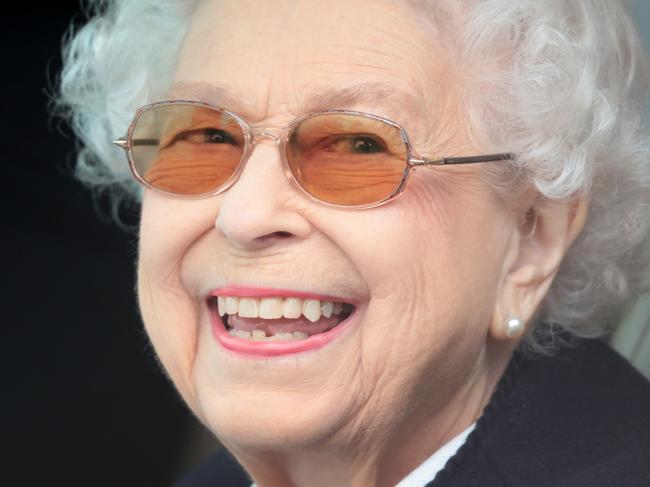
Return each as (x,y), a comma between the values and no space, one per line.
(545,230)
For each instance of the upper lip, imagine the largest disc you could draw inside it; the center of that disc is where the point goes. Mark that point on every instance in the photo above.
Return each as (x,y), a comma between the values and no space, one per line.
(268,292)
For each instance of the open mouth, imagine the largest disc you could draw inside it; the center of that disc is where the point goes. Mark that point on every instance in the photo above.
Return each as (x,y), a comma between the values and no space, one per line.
(266,319)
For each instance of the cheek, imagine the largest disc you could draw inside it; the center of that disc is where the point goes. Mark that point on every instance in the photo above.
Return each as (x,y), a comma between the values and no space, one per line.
(170,315)
(462,227)
(169,227)
(446,234)
(170,320)
(433,275)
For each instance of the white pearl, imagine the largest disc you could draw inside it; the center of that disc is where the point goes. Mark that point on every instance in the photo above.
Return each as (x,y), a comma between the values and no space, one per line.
(514,327)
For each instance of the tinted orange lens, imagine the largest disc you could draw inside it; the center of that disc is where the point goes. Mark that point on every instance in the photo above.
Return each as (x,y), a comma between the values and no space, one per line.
(347,160)
(186,149)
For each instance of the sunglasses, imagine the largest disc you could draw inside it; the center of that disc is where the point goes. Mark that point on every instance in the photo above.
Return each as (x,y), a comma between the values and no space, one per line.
(341,158)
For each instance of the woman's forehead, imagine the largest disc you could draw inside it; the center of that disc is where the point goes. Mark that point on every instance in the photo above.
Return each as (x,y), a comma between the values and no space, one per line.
(306,58)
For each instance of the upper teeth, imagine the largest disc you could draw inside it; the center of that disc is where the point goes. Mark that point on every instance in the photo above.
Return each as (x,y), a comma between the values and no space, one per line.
(271,308)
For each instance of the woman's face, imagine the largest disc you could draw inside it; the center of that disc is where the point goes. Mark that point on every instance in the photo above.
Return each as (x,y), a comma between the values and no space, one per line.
(423,271)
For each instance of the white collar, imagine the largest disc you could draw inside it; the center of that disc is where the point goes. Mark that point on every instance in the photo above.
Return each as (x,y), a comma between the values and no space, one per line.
(428,469)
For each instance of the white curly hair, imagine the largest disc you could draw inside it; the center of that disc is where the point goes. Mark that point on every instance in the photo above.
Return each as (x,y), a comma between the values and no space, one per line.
(560,83)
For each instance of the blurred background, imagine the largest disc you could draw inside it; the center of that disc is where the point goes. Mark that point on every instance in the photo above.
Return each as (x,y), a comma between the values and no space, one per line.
(86,402)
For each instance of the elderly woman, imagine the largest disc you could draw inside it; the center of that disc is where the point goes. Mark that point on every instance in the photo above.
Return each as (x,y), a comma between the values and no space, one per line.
(375,234)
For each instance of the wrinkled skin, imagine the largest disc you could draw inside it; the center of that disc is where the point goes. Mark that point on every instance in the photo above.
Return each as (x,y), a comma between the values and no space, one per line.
(436,272)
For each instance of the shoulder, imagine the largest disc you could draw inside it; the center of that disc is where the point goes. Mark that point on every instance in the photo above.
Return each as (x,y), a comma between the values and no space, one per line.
(578,418)
(220,468)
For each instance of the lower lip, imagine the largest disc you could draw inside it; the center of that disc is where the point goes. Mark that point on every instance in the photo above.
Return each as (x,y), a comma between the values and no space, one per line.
(262,349)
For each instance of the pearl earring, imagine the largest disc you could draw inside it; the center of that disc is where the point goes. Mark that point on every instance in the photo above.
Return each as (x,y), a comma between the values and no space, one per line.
(514,327)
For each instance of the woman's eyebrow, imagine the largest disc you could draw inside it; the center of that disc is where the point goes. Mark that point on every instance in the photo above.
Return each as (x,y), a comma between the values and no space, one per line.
(366,93)
(385,97)
(207,93)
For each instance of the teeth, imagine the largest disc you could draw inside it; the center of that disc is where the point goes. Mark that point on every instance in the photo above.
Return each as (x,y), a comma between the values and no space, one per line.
(240,333)
(232,305)
(271,308)
(311,309)
(292,308)
(277,307)
(248,308)
(283,336)
(260,335)
(326,308)
(221,305)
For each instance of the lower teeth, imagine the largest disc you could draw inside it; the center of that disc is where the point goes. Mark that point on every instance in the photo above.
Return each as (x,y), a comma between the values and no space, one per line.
(260,335)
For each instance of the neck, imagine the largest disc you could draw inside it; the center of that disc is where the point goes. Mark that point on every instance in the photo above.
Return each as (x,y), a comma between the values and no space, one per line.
(409,437)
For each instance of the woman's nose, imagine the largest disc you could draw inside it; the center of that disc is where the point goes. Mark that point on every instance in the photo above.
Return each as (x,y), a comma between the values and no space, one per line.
(262,207)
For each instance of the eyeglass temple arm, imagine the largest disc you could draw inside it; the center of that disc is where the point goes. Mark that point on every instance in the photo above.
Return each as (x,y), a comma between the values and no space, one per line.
(124,144)
(442,161)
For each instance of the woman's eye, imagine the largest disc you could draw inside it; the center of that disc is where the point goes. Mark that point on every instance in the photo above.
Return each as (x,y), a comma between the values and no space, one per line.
(365,145)
(356,144)
(206,136)
(216,136)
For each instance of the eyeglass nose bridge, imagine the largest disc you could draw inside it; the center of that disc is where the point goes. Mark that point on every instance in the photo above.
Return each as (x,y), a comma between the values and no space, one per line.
(258,133)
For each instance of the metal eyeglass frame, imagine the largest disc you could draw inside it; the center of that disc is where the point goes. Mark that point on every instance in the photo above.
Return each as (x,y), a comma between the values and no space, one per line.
(252,134)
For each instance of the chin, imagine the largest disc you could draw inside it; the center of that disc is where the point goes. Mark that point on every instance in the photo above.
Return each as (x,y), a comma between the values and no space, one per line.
(268,421)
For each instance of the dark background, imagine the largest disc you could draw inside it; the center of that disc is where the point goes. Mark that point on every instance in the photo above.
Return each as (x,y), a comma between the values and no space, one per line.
(85,402)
